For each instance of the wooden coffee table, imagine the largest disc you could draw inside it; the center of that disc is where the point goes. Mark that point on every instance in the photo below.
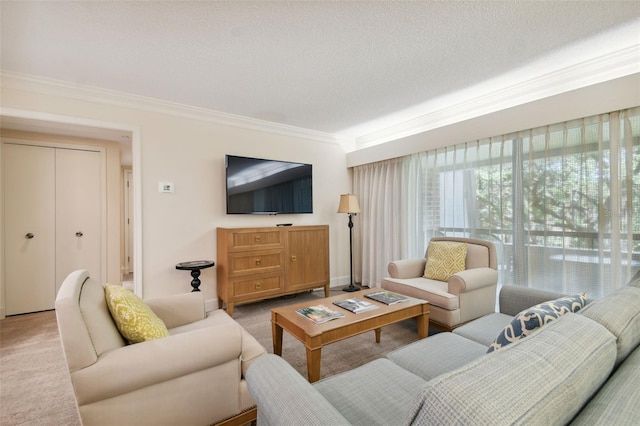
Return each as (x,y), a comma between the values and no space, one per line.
(315,336)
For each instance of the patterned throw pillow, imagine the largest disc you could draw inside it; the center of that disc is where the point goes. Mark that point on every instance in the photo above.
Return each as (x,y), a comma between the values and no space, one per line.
(134,319)
(445,259)
(529,320)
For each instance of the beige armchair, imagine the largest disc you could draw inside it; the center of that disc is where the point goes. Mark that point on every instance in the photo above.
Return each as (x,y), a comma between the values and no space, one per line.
(467,295)
(195,376)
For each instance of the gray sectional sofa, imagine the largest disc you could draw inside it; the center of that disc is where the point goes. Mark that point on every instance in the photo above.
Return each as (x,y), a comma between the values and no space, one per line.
(581,369)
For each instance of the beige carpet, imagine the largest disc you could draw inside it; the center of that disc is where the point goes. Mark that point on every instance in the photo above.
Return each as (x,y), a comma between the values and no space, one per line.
(35,387)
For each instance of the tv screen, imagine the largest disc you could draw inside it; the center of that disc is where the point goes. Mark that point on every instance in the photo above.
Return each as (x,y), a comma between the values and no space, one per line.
(261,186)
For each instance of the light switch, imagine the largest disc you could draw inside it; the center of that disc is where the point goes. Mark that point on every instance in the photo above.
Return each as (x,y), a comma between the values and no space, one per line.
(165,187)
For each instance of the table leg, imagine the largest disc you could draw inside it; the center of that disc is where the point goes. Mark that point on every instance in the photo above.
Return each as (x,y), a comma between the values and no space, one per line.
(276,335)
(378,330)
(423,325)
(195,282)
(313,364)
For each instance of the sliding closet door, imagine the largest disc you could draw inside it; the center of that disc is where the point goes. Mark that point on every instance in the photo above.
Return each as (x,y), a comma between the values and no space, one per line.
(78,212)
(29,209)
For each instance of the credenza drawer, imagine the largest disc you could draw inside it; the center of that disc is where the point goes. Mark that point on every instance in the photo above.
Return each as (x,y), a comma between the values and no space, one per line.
(254,239)
(254,285)
(252,262)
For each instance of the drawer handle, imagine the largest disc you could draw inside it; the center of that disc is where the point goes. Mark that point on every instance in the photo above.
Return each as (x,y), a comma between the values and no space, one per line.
(293,258)
(258,262)
(257,238)
(258,286)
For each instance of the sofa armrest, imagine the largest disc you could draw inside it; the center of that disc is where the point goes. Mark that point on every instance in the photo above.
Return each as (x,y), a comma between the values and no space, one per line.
(251,349)
(284,397)
(407,268)
(472,279)
(178,309)
(515,298)
(140,365)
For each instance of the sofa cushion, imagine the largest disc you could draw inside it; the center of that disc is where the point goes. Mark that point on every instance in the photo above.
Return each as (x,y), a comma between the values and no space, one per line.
(562,367)
(615,404)
(379,392)
(485,329)
(529,320)
(436,355)
(421,288)
(619,312)
(445,259)
(135,320)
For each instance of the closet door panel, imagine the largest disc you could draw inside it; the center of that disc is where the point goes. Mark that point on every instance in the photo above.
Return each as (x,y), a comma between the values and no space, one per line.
(78,212)
(29,206)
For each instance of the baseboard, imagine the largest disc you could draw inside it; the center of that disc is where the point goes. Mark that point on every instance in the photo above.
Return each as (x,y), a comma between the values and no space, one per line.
(342,281)
(210,305)
(339,281)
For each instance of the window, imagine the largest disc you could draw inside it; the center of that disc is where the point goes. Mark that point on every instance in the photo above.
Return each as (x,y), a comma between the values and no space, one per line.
(561,202)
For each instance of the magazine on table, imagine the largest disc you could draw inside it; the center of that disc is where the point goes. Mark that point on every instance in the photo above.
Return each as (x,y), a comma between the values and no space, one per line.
(319,313)
(355,305)
(386,297)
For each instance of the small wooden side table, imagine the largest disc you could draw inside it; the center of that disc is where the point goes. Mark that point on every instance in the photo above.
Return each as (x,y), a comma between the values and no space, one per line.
(195,266)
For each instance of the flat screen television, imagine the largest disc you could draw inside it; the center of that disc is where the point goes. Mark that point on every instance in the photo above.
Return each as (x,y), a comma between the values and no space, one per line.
(261,186)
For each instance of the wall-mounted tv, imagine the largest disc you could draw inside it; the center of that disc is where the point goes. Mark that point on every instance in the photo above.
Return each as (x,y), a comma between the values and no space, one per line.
(261,186)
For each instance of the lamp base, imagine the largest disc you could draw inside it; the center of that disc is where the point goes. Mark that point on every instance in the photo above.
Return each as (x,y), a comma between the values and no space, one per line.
(350,288)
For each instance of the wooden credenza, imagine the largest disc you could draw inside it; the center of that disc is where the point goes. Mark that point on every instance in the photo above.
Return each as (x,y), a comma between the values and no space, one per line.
(259,263)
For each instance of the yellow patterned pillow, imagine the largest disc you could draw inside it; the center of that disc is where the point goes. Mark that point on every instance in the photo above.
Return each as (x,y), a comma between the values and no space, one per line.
(445,259)
(135,320)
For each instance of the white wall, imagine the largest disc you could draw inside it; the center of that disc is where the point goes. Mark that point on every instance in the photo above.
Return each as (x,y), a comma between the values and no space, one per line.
(181,226)
(187,147)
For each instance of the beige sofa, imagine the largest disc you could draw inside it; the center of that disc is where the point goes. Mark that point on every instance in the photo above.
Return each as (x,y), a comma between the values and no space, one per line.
(467,295)
(195,376)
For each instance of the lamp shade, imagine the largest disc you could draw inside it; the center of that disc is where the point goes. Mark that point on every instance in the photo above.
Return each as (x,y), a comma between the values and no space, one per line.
(348,204)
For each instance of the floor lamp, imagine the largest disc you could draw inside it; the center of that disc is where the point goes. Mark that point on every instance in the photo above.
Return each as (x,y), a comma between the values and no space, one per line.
(349,204)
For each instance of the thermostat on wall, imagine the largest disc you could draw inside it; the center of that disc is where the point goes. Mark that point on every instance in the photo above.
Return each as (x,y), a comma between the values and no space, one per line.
(165,187)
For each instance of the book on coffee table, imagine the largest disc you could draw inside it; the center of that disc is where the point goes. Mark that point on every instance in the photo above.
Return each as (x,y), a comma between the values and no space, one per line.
(319,313)
(355,305)
(386,297)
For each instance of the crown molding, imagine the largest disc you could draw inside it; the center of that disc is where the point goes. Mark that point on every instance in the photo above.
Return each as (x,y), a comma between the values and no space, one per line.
(597,70)
(604,68)
(46,86)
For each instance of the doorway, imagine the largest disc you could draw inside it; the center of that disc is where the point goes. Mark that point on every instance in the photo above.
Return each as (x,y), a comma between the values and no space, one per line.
(128,138)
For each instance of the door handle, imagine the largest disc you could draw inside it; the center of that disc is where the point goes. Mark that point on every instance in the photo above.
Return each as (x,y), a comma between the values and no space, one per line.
(79,234)
(29,235)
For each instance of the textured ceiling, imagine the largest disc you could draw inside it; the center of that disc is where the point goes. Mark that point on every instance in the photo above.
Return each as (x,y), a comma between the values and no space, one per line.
(336,67)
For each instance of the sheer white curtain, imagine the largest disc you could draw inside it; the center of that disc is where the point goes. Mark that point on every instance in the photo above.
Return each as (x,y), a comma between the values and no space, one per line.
(391,195)
(561,203)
